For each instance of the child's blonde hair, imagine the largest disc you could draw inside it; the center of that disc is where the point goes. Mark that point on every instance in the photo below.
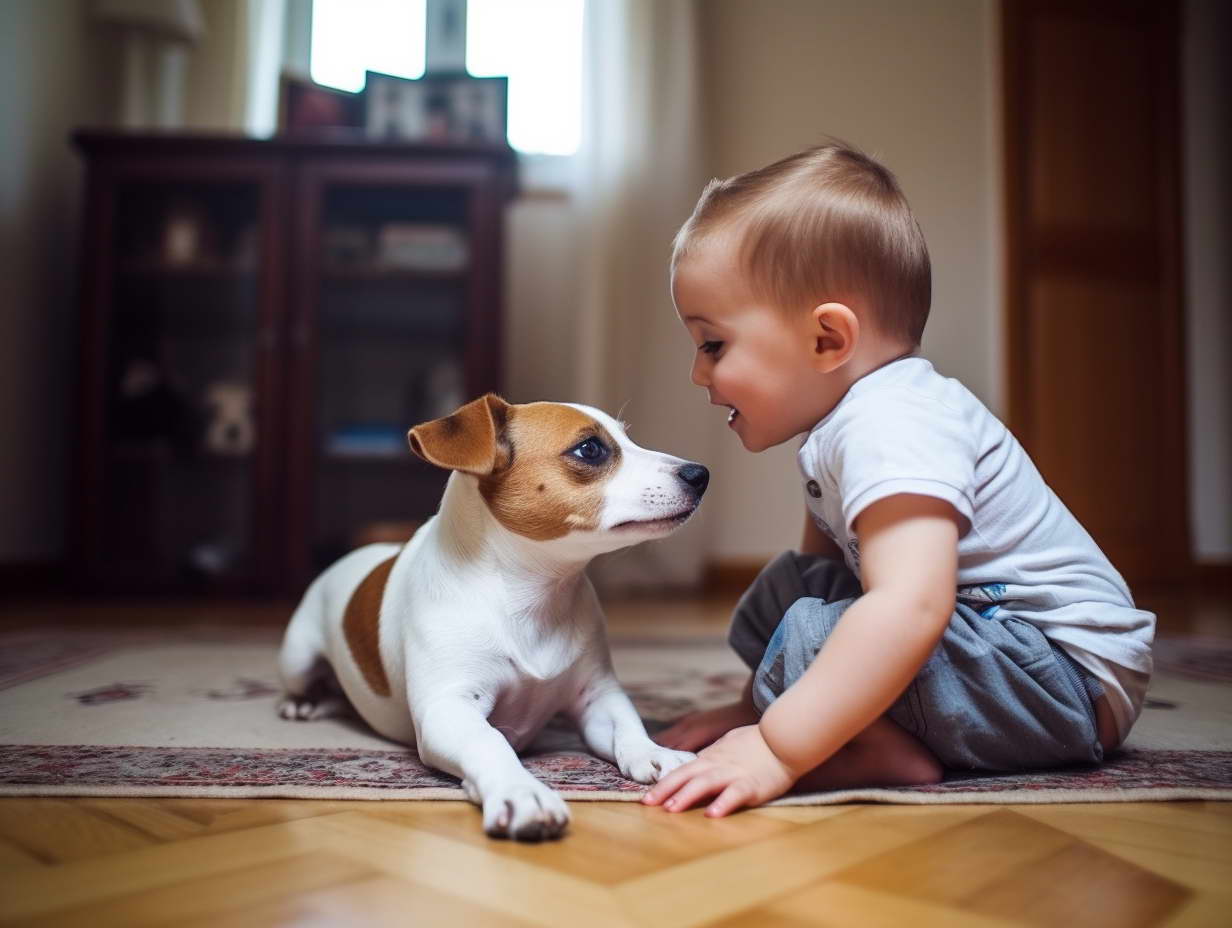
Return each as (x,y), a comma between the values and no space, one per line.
(828,223)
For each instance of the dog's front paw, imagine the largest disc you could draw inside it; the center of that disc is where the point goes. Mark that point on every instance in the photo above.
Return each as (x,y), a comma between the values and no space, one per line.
(526,810)
(653,763)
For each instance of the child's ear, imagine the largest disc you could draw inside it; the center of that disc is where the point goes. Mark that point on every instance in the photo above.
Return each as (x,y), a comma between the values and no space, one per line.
(835,331)
(468,440)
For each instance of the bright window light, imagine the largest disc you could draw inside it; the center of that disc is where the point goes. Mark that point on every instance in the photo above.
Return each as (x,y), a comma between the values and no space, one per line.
(538,45)
(353,36)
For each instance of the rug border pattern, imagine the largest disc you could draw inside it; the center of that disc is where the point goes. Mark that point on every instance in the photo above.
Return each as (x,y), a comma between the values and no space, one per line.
(323,773)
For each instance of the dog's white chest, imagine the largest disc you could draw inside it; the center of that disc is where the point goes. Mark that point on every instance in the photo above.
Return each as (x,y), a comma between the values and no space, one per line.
(521,712)
(538,682)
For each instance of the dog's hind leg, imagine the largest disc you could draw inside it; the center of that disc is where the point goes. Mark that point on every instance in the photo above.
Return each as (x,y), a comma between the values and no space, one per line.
(320,696)
(312,690)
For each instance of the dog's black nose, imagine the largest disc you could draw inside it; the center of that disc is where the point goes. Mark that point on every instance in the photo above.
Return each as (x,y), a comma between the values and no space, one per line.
(696,476)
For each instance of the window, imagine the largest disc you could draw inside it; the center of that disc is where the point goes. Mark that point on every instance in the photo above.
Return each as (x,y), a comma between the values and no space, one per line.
(353,36)
(536,43)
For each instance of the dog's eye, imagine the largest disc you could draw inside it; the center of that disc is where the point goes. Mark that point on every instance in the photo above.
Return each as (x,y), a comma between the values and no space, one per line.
(591,450)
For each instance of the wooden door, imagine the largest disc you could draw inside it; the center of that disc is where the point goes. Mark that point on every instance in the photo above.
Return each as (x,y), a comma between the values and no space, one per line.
(1095,335)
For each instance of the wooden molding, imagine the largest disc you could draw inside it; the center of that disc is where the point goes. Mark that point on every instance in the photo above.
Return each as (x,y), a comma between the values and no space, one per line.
(1214,575)
(733,575)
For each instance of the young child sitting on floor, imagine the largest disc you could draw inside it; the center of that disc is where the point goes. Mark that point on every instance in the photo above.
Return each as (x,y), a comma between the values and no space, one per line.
(945,611)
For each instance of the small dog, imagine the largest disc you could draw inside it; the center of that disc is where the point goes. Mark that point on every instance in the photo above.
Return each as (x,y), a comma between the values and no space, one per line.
(468,639)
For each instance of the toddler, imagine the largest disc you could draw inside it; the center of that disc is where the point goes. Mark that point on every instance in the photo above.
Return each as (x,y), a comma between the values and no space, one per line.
(945,610)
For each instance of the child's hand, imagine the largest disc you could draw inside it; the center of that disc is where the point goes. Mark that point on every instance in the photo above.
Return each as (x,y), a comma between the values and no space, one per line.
(739,768)
(699,729)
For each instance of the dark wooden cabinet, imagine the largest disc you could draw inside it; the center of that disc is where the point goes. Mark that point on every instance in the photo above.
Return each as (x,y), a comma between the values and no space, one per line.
(261,321)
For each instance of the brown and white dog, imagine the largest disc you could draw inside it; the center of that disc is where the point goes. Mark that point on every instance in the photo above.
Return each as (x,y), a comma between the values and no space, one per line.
(468,639)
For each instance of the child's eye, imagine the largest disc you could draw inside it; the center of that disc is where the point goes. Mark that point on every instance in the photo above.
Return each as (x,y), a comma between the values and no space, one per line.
(710,347)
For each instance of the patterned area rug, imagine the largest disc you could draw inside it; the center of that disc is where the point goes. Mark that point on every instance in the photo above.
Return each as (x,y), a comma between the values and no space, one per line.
(92,714)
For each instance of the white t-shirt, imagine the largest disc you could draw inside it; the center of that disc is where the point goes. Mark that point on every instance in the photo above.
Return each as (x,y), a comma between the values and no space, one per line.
(904,428)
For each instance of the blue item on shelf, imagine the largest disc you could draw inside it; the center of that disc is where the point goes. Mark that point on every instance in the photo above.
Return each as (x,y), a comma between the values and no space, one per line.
(367,441)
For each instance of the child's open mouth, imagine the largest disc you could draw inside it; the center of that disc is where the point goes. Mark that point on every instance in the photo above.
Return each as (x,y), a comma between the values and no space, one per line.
(732,416)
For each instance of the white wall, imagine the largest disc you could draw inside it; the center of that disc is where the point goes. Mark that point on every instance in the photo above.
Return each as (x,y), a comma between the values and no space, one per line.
(1207,144)
(915,84)
(50,82)
(542,284)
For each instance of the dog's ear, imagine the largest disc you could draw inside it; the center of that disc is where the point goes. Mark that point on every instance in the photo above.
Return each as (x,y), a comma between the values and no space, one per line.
(470,440)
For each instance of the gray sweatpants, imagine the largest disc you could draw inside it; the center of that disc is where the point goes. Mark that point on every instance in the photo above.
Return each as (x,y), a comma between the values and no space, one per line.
(996,694)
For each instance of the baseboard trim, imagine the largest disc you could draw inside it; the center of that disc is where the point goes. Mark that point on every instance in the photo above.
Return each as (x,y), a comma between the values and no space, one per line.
(732,575)
(1214,575)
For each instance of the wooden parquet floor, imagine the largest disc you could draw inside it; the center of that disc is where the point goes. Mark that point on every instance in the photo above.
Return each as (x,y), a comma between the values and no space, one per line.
(132,862)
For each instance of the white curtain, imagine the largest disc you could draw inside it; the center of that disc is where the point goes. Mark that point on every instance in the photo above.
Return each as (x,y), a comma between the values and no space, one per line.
(229,78)
(639,176)
(263,32)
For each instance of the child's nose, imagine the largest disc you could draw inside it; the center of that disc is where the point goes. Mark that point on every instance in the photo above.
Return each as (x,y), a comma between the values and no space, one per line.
(698,374)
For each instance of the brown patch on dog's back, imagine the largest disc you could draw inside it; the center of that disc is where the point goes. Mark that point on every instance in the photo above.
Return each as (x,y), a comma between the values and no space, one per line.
(361,623)
(539,491)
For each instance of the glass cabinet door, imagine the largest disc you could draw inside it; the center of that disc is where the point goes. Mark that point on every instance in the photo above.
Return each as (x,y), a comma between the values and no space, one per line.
(180,425)
(394,263)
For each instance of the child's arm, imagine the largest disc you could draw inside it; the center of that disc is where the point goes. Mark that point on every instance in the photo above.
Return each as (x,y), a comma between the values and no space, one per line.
(909,568)
(909,558)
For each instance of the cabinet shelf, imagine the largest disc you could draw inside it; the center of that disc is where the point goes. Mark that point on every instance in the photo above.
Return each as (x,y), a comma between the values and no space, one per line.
(159,455)
(340,460)
(381,275)
(195,271)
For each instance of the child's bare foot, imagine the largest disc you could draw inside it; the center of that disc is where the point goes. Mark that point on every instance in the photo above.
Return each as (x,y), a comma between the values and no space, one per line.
(881,755)
(702,728)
